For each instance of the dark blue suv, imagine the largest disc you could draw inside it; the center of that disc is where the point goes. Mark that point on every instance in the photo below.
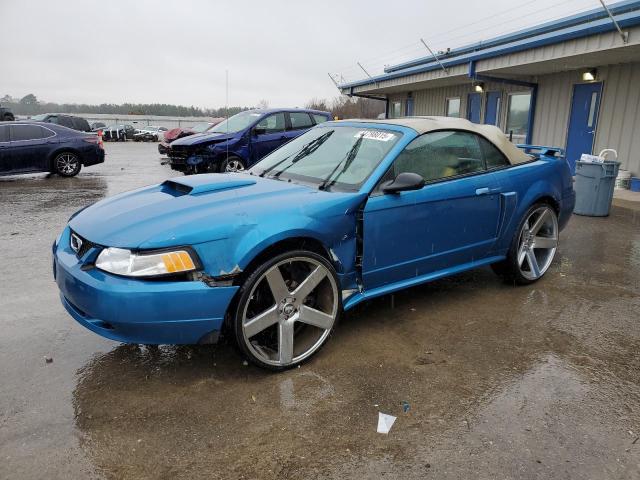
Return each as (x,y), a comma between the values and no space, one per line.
(242,140)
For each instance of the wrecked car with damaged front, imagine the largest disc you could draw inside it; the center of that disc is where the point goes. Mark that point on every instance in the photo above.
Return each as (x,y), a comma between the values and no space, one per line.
(345,212)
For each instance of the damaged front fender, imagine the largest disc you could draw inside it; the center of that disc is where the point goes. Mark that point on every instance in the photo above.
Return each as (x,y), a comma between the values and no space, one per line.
(337,233)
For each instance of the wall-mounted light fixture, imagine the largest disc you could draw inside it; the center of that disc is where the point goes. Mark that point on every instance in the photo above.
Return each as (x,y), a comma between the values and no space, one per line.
(479,87)
(589,75)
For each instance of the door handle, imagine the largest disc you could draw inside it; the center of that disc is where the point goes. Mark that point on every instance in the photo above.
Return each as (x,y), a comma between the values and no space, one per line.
(482,191)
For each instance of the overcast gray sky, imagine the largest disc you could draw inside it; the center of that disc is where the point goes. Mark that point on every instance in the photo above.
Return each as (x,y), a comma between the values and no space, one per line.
(177,52)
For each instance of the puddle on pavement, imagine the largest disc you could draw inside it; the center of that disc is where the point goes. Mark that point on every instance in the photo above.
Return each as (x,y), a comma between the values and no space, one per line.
(502,382)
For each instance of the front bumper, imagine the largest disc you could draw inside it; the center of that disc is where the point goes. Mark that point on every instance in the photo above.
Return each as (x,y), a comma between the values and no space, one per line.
(186,159)
(138,311)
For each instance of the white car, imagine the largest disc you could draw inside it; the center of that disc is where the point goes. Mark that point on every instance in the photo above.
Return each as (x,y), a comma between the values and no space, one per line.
(149,133)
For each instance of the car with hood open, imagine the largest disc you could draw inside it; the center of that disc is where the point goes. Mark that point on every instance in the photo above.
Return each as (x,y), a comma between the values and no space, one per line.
(344,213)
(242,140)
(180,132)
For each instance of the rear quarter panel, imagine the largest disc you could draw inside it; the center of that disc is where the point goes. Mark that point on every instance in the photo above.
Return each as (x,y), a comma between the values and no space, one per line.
(525,184)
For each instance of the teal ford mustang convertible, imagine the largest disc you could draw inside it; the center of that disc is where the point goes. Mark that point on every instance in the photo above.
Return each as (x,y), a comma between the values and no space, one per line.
(345,212)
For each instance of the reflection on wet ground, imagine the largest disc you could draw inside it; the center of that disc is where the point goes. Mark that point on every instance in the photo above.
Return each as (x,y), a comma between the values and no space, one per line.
(502,382)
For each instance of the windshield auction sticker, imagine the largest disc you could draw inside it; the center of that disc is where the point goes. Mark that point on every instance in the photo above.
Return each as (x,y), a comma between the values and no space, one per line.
(375,135)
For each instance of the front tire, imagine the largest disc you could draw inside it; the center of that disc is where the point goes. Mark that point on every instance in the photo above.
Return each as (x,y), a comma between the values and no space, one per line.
(67,164)
(287,309)
(232,164)
(533,246)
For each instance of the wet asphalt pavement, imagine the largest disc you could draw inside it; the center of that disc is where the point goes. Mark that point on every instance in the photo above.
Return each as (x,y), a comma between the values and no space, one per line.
(502,382)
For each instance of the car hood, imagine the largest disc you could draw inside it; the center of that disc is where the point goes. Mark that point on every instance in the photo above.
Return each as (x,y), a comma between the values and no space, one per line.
(202,208)
(175,133)
(204,138)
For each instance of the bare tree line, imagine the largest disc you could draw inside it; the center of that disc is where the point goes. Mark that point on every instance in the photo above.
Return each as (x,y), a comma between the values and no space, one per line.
(348,107)
(340,107)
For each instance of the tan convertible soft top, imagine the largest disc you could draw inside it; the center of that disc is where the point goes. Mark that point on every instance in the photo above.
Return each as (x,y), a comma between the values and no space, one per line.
(490,132)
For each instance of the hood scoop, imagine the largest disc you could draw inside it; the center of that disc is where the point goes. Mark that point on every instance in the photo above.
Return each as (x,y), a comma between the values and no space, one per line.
(197,184)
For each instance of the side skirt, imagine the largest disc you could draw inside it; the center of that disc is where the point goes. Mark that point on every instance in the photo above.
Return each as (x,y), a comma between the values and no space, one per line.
(429,277)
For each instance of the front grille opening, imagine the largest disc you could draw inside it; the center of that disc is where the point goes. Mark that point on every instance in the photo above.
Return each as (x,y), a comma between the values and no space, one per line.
(84,247)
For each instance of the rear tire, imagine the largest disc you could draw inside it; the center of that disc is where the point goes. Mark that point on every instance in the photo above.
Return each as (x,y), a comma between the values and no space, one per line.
(8,117)
(533,246)
(67,164)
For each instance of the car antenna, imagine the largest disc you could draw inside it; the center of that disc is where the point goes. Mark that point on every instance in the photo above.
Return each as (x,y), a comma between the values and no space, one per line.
(227,110)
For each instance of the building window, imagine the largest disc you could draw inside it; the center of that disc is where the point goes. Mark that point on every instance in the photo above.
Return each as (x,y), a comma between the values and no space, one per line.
(518,116)
(453,107)
(396,109)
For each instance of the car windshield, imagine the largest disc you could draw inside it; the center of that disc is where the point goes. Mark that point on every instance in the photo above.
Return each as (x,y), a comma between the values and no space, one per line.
(331,157)
(237,123)
(200,127)
(39,118)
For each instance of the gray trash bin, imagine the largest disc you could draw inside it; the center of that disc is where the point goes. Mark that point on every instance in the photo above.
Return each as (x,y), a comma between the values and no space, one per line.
(594,187)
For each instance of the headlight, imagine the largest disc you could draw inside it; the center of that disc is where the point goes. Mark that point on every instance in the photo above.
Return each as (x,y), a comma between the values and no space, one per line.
(124,262)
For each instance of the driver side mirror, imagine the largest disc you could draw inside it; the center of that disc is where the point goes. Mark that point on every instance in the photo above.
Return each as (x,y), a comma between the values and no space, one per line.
(259,131)
(405,181)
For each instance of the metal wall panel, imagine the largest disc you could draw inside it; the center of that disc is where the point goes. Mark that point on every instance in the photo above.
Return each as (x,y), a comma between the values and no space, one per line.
(619,118)
(553,108)
(581,46)
(618,122)
(433,101)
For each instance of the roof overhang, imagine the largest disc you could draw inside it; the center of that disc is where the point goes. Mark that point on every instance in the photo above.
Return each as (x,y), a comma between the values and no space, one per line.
(567,47)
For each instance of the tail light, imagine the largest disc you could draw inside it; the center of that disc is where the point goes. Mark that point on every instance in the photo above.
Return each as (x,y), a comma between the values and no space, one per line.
(95,139)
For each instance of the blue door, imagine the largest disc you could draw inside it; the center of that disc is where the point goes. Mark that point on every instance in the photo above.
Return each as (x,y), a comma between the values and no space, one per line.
(30,146)
(492,110)
(474,106)
(449,222)
(583,121)
(268,135)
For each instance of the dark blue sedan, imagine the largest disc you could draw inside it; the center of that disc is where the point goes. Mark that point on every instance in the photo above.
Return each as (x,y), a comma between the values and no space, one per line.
(241,140)
(27,147)
(344,213)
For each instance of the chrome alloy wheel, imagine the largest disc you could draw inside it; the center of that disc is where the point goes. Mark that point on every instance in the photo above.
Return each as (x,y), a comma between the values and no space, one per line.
(67,163)
(291,310)
(234,165)
(538,243)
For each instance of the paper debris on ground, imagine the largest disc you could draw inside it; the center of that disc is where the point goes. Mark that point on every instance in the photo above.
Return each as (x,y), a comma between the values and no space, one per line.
(385,422)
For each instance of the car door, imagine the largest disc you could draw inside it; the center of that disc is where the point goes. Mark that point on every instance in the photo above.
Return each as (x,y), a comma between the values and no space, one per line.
(30,146)
(299,122)
(451,221)
(267,135)
(5,151)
